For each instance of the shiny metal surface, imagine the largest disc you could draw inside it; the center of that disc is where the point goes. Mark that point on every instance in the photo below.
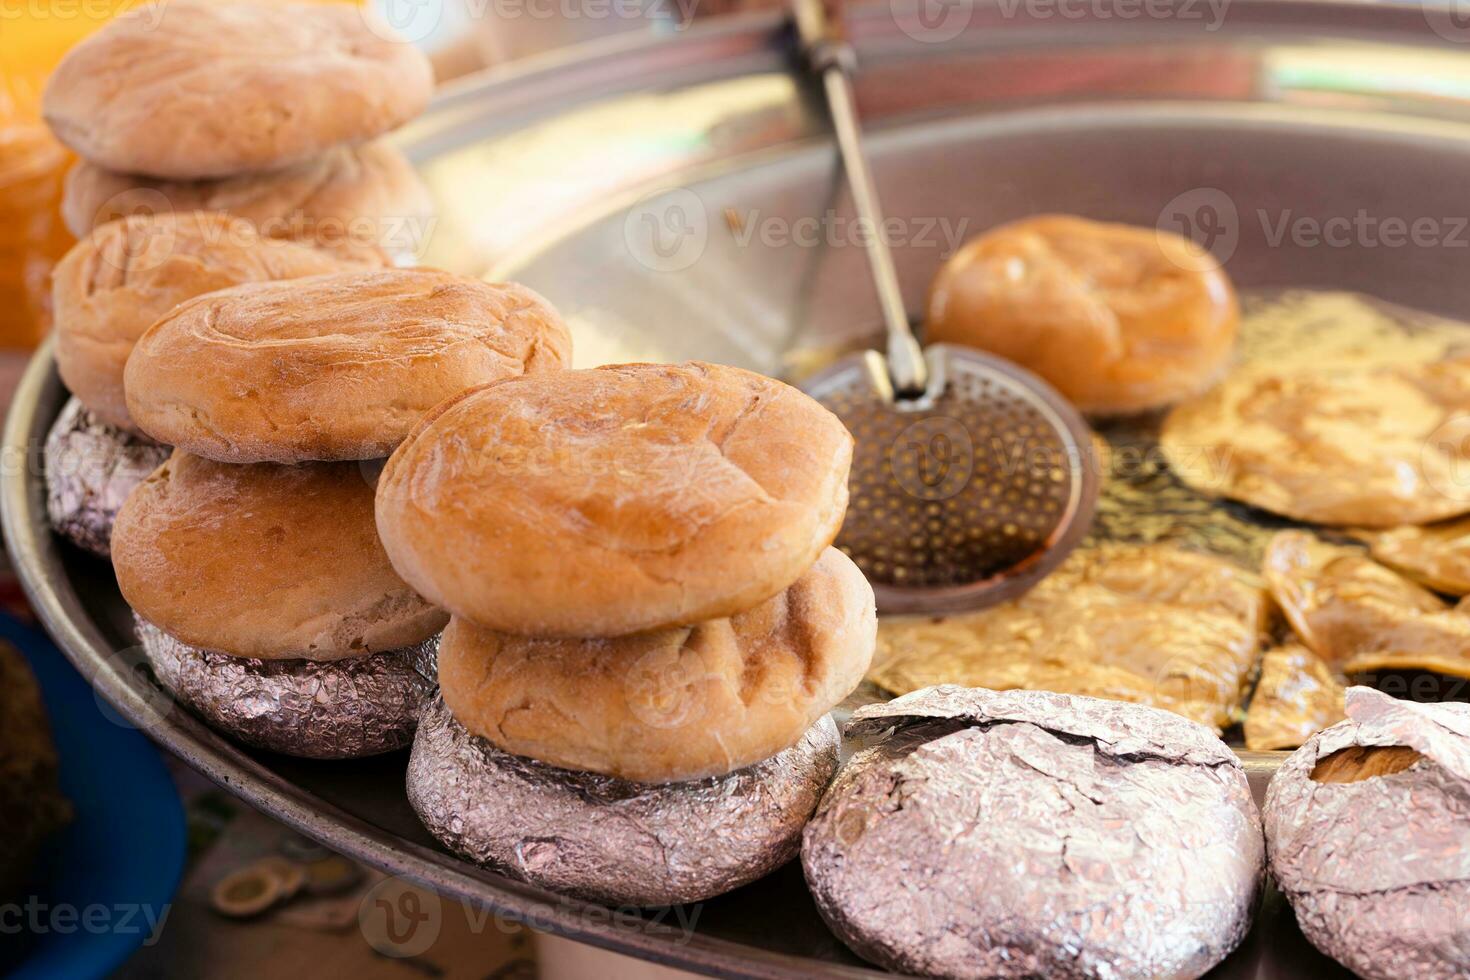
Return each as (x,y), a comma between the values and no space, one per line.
(560,172)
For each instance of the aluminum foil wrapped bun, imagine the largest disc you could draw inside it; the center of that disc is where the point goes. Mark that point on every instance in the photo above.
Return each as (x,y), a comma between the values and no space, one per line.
(1030,834)
(91,467)
(1369,831)
(339,709)
(607,839)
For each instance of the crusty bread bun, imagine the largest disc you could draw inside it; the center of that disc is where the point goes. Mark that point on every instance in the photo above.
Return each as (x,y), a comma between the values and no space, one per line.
(1119,319)
(616,500)
(117,281)
(271,562)
(332,367)
(350,196)
(196,89)
(671,704)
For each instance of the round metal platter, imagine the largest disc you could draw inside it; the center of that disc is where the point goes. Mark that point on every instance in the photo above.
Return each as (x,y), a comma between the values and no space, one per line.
(679,197)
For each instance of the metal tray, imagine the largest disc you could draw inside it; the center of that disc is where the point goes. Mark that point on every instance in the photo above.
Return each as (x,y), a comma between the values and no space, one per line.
(559,172)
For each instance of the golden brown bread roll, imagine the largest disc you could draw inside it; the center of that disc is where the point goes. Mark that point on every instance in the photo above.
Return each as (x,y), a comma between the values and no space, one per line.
(194,89)
(271,562)
(116,282)
(673,704)
(1118,319)
(333,367)
(610,501)
(350,196)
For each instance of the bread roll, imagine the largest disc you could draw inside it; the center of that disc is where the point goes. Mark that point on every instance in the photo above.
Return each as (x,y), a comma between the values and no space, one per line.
(1119,319)
(196,89)
(672,704)
(270,562)
(332,367)
(616,500)
(118,280)
(350,197)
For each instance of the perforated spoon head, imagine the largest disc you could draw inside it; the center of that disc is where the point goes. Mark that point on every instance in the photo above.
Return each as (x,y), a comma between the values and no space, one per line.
(968,495)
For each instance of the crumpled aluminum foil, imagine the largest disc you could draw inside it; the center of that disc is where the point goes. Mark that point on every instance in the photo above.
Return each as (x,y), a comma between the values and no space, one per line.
(606,839)
(1030,834)
(91,467)
(1378,870)
(342,709)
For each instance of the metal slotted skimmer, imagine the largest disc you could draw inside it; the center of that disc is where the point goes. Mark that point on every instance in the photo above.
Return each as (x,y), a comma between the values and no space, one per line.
(971,478)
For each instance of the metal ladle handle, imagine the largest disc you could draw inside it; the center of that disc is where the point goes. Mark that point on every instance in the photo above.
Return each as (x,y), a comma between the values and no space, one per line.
(829,53)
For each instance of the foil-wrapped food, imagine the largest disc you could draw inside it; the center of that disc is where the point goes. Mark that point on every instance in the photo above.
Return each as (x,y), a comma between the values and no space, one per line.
(1151,624)
(339,709)
(1369,831)
(1362,617)
(91,467)
(607,839)
(1029,834)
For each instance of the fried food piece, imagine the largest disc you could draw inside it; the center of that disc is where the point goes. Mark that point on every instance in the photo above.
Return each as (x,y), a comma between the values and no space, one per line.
(1368,446)
(1360,616)
(1437,556)
(1119,319)
(1296,697)
(1151,624)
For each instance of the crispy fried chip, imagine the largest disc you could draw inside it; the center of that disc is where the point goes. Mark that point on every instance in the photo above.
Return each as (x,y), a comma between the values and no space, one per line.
(1436,556)
(1360,616)
(1296,697)
(1373,446)
(1149,624)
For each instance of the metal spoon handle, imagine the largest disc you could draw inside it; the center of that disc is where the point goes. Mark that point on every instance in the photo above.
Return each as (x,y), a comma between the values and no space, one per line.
(830,54)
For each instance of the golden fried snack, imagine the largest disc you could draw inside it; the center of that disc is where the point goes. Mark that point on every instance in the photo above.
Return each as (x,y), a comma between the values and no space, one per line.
(1296,697)
(1149,624)
(674,704)
(214,89)
(1368,446)
(122,278)
(1436,556)
(1360,616)
(331,367)
(1119,319)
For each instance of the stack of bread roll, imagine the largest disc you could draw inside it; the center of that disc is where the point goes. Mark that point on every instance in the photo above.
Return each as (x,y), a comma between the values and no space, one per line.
(222,144)
(649,626)
(272,112)
(264,600)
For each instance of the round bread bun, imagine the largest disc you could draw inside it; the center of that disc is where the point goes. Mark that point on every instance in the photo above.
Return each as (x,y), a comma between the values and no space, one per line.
(616,500)
(91,468)
(116,282)
(1119,319)
(350,197)
(271,562)
(195,89)
(333,367)
(609,840)
(670,704)
(345,709)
